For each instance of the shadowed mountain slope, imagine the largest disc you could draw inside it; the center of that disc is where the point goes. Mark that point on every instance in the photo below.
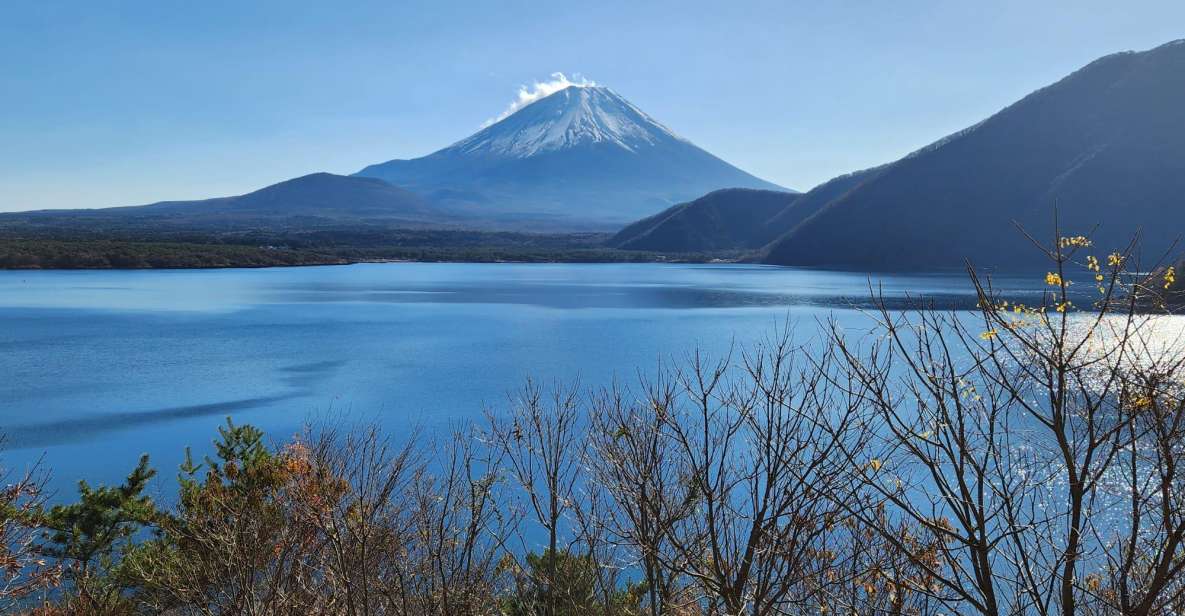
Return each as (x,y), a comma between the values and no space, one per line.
(729,219)
(733,219)
(1105,144)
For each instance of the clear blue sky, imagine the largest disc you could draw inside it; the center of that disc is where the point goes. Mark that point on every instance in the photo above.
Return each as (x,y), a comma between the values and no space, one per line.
(133,102)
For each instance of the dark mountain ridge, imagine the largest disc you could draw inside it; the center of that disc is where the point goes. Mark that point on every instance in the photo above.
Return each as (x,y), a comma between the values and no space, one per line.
(1105,145)
(727,219)
(733,219)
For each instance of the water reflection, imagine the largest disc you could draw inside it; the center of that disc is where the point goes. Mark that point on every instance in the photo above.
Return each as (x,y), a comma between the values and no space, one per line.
(100,366)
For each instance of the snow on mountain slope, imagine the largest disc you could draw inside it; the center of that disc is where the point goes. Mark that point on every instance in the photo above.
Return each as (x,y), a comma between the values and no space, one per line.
(583,156)
(569,118)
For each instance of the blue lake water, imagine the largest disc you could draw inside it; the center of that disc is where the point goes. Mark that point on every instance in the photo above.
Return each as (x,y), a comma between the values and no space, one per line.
(100,366)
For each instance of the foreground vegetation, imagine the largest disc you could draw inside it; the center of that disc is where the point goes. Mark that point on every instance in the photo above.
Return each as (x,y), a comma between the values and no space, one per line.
(1015,460)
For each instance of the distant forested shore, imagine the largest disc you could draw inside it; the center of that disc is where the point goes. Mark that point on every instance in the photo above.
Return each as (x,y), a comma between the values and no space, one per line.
(105,249)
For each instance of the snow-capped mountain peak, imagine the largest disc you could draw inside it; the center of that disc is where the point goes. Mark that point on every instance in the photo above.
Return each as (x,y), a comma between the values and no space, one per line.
(580,153)
(574,116)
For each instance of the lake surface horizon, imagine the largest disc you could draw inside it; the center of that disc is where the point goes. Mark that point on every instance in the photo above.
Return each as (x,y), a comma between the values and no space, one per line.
(101,366)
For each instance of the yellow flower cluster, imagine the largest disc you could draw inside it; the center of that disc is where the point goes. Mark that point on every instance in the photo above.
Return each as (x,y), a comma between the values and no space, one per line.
(968,391)
(1024,313)
(1170,276)
(1053,279)
(1092,264)
(1114,259)
(1078,241)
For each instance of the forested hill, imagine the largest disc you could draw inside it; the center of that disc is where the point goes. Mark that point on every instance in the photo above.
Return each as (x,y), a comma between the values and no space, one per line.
(1105,145)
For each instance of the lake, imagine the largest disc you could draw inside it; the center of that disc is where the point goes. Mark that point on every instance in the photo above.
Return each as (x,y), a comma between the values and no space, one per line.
(100,366)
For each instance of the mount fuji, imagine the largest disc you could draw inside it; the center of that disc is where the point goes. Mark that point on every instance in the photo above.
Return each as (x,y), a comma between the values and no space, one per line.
(582,156)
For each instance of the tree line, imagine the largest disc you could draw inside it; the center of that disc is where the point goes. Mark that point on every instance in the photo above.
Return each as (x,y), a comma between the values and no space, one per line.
(1014,459)
(118,254)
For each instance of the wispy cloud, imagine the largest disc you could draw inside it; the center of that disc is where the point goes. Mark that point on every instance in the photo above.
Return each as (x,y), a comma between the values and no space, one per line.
(540,89)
